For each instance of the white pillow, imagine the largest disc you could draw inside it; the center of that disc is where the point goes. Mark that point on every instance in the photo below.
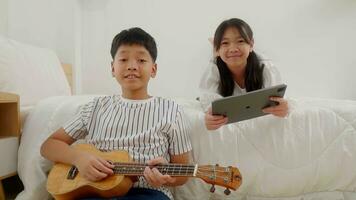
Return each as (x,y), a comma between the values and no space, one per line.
(32,72)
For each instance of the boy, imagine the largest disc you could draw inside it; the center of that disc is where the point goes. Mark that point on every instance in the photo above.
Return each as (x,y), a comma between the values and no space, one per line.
(151,129)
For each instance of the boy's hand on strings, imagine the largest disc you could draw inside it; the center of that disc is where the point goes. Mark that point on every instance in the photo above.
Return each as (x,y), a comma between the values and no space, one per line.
(280,110)
(213,122)
(154,177)
(93,168)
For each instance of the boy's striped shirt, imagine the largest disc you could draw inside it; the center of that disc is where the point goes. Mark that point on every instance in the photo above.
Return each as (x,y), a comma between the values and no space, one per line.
(147,129)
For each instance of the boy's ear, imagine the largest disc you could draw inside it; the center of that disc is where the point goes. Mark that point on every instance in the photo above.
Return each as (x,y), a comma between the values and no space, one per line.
(154,70)
(112,69)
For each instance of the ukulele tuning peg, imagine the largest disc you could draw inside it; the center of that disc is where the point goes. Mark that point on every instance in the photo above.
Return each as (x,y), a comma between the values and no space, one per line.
(212,189)
(227,191)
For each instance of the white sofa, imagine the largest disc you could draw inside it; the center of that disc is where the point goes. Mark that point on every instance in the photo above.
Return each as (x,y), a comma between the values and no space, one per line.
(309,155)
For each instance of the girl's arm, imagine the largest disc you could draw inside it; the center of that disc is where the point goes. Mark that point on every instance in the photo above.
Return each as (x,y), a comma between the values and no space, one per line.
(280,110)
(213,122)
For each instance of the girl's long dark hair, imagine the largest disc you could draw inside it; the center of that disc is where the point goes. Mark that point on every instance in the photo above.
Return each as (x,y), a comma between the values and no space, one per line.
(254,67)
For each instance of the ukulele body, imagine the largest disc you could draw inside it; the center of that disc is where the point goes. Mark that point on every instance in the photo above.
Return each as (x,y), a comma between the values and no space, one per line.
(63,188)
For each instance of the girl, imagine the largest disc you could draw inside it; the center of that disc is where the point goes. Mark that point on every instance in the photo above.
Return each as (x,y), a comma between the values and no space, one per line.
(237,69)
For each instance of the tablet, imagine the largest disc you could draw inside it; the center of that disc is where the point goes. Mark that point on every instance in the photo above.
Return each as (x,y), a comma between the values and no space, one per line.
(249,105)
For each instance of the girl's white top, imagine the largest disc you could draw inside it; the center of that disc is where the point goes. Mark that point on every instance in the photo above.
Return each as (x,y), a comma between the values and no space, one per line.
(210,79)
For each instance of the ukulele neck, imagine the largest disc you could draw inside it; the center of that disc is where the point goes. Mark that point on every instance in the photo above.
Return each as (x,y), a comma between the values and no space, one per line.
(136,169)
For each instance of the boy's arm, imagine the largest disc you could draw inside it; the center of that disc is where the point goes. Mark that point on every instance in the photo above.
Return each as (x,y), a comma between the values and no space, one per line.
(179,151)
(156,179)
(59,141)
(57,148)
(183,159)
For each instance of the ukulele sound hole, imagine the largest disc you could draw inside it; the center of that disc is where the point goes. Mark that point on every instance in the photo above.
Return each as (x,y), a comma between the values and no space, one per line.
(72,173)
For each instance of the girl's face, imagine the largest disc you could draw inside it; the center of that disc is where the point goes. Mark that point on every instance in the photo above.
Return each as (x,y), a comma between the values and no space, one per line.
(234,50)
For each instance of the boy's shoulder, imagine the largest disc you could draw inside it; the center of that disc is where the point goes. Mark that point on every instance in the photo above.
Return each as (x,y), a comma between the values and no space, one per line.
(168,103)
(103,99)
(164,99)
(168,100)
(99,102)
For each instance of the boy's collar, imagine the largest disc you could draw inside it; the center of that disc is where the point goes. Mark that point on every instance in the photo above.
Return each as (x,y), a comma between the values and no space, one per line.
(136,100)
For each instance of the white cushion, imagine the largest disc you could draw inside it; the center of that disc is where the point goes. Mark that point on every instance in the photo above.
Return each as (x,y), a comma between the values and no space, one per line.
(32,72)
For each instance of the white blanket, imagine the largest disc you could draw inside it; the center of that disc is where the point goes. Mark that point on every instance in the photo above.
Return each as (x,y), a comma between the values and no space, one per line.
(309,155)
(44,119)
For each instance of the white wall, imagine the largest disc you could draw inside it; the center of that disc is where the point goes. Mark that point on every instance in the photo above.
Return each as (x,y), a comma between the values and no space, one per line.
(3,17)
(44,23)
(50,24)
(311,42)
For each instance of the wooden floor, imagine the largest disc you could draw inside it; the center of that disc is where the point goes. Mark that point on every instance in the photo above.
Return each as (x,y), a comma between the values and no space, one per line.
(12,187)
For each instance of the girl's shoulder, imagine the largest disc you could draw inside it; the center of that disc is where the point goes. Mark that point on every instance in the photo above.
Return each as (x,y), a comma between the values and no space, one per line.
(271,74)
(268,64)
(265,61)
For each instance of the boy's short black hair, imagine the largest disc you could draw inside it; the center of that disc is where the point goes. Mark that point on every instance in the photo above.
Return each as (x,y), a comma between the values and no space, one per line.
(134,36)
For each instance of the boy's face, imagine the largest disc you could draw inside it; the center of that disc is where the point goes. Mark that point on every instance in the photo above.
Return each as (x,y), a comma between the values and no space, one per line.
(133,67)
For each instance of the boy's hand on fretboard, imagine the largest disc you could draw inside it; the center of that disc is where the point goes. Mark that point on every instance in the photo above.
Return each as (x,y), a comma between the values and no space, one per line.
(154,177)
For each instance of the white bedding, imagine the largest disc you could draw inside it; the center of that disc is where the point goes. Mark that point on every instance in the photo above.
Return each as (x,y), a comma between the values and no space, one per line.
(309,155)
(24,111)
(32,72)
(47,116)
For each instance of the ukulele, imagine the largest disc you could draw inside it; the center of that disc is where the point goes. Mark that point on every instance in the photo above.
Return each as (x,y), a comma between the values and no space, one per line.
(65,182)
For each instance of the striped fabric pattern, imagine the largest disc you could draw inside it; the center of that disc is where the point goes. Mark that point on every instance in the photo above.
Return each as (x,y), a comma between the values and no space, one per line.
(147,129)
